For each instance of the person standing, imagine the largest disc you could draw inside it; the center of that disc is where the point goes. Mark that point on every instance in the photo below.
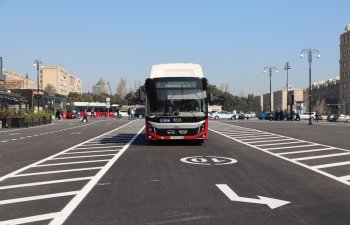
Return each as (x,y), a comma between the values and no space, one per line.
(133,113)
(129,113)
(84,117)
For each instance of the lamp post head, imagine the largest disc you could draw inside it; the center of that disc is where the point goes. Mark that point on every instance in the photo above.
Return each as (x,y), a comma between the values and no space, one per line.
(318,55)
(301,55)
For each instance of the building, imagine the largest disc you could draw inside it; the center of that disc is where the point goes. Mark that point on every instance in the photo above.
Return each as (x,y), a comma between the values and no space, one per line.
(266,102)
(280,100)
(344,65)
(55,79)
(100,88)
(325,96)
(13,80)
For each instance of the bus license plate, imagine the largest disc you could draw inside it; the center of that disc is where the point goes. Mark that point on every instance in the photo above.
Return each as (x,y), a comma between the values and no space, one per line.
(176,137)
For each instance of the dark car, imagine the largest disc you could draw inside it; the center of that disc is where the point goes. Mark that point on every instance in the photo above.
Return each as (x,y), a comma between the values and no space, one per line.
(140,113)
(264,116)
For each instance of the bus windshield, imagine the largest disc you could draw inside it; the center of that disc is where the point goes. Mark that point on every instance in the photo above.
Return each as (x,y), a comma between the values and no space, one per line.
(178,102)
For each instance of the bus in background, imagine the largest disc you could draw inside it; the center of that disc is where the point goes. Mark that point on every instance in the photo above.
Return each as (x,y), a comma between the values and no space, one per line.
(176,103)
(99,108)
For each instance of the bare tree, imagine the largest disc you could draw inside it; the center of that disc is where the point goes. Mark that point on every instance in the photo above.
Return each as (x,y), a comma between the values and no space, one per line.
(121,88)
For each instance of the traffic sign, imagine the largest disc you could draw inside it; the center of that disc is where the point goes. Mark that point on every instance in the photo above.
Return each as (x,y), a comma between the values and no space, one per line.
(108,105)
(108,99)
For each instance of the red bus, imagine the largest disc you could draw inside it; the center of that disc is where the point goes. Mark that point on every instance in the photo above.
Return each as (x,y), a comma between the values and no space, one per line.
(99,108)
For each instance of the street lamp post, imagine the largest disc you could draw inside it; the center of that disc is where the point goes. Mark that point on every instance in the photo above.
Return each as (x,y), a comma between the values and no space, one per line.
(309,52)
(287,67)
(270,69)
(37,63)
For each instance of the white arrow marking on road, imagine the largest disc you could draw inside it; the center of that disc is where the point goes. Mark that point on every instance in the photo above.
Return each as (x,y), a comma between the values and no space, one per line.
(271,202)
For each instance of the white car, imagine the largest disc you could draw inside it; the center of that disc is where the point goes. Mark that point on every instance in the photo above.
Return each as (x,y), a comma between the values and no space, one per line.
(306,115)
(250,115)
(222,115)
(122,113)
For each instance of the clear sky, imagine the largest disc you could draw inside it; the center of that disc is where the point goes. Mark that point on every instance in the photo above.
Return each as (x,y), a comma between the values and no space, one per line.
(232,40)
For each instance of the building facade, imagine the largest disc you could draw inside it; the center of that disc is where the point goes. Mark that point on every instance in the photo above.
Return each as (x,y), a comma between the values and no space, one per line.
(56,79)
(100,88)
(266,102)
(13,80)
(344,71)
(325,96)
(280,100)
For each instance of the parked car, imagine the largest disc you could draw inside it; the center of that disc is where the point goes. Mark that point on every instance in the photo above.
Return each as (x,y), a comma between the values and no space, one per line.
(122,113)
(265,116)
(250,115)
(306,115)
(242,116)
(140,112)
(222,115)
(338,118)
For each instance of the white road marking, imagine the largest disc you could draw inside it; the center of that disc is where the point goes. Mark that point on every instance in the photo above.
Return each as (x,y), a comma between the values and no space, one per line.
(83,156)
(30,219)
(268,140)
(305,151)
(38,197)
(321,156)
(271,202)
(56,171)
(339,179)
(331,165)
(98,147)
(72,163)
(297,146)
(44,183)
(285,143)
(81,195)
(271,137)
(87,152)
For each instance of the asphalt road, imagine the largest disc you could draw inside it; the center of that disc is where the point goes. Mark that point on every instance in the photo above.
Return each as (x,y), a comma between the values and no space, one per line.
(105,172)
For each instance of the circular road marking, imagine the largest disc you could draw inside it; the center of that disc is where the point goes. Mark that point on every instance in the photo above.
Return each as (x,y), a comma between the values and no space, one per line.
(208,160)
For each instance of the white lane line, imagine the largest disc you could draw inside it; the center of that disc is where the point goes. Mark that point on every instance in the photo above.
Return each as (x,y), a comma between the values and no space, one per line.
(44,183)
(331,165)
(30,219)
(72,163)
(251,135)
(56,171)
(321,156)
(70,207)
(258,138)
(4,141)
(297,146)
(87,152)
(346,182)
(284,143)
(305,151)
(83,156)
(38,197)
(89,144)
(284,139)
(345,178)
(96,147)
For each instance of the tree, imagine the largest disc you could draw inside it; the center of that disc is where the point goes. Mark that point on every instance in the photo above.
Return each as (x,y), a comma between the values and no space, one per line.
(121,88)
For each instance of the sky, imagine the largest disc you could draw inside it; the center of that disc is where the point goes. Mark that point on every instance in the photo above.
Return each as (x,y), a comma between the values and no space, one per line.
(232,40)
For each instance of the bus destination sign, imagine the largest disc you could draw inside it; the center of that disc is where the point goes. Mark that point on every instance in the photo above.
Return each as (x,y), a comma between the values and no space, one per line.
(176,84)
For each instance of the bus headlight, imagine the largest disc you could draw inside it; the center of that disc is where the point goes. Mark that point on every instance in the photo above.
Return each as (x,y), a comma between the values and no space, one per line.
(202,128)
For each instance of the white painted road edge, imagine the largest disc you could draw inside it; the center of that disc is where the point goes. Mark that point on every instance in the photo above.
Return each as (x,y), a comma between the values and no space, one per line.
(64,214)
